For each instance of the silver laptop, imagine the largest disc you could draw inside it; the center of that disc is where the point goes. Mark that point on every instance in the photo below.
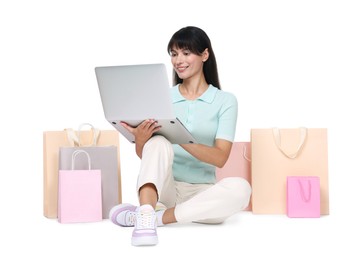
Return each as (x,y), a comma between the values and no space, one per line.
(134,93)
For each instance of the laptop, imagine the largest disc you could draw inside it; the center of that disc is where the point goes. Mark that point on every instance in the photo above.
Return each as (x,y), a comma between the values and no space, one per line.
(134,93)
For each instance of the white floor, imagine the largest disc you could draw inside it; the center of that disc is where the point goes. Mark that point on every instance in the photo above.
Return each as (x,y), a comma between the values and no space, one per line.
(244,236)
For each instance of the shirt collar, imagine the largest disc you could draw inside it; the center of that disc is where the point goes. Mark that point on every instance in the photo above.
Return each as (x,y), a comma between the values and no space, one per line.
(208,96)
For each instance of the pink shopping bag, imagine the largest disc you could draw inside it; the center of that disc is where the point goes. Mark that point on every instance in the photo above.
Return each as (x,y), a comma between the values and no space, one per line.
(303,196)
(79,193)
(237,165)
(103,158)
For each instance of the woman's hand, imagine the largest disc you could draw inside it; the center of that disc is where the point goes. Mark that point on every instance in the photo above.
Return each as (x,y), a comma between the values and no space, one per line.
(142,133)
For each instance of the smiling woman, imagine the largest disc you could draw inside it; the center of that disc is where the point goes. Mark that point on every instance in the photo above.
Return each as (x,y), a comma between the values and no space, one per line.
(193,45)
(181,178)
(289,63)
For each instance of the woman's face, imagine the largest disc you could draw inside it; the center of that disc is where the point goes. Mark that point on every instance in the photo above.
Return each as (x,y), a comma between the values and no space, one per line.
(187,64)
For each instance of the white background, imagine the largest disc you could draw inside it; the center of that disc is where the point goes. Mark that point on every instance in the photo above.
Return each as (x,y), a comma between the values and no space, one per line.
(290,64)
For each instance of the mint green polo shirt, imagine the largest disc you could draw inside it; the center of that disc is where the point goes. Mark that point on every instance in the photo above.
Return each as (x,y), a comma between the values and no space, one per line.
(211,116)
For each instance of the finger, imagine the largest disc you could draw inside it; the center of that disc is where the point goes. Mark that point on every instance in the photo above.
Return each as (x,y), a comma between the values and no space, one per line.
(147,124)
(154,127)
(144,124)
(127,127)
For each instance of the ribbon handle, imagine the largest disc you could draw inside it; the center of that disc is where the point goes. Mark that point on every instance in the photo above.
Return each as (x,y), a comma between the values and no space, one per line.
(75,139)
(277,139)
(245,154)
(302,192)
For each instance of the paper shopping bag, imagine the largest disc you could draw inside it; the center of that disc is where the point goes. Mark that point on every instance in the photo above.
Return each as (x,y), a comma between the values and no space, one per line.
(79,193)
(238,164)
(303,196)
(103,158)
(278,153)
(52,141)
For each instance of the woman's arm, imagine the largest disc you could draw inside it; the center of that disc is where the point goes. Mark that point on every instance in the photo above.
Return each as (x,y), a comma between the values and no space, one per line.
(216,155)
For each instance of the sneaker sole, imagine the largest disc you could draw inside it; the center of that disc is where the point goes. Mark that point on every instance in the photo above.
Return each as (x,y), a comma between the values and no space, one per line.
(145,241)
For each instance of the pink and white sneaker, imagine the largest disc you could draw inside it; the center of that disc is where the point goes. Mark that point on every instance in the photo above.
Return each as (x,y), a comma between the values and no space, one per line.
(123,215)
(145,231)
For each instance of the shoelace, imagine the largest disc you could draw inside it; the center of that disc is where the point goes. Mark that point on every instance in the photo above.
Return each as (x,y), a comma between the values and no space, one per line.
(130,218)
(146,220)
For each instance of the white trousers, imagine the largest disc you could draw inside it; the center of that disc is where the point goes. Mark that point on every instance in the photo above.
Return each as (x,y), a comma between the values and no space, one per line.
(205,203)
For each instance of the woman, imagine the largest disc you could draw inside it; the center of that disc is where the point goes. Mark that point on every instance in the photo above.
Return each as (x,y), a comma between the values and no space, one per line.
(180,179)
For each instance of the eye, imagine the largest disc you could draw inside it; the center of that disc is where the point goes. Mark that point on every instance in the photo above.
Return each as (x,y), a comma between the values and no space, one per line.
(187,53)
(173,54)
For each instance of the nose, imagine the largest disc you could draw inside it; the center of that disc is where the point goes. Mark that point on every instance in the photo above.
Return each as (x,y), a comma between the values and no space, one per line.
(178,59)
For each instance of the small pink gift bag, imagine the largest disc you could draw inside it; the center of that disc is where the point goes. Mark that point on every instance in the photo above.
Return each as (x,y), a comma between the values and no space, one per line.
(303,196)
(79,195)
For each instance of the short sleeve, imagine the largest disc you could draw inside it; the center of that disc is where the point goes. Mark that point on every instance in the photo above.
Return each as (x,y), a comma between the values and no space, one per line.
(227,117)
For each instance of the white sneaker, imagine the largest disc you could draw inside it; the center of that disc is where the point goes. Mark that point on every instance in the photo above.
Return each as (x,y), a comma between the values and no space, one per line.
(145,232)
(123,215)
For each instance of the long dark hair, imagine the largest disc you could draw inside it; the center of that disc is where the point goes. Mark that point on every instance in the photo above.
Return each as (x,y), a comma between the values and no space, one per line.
(195,40)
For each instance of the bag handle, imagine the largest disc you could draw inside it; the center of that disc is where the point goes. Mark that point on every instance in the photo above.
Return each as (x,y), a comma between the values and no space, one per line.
(277,139)
(245,154)
(302,192)
(75,153)
(75,139)
(95,132)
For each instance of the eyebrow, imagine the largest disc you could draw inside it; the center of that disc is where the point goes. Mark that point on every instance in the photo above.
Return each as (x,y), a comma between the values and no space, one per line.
(180,49)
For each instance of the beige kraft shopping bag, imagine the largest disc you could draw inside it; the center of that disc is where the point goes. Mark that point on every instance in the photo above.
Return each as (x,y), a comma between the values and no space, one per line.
(52,141)
(278,153)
